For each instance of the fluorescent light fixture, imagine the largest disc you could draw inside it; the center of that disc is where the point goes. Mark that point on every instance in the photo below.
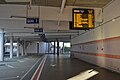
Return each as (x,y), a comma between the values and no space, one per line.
(17,0)
(85,75)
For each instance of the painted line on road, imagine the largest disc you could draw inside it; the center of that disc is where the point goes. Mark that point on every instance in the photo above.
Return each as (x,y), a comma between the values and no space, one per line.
(30,69)
(20,61)
(38,71)
(9,78)
(10,66)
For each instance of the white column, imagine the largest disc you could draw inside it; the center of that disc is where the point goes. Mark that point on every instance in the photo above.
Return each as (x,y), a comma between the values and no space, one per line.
(1,45)
(46,51)
(25,48)
(48,47)
(22,54)
(18,48)
(11,47)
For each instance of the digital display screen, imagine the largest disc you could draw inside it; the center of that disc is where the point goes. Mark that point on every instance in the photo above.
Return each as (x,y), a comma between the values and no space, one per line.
(82,19)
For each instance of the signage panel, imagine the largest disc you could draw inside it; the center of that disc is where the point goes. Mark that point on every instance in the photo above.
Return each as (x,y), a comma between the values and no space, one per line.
(32,20)
(82,19)
(38,29)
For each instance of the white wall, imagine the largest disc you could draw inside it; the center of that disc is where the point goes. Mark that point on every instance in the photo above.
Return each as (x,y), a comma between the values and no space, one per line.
(42,47)
(32,48)
(107,30)
(88,46)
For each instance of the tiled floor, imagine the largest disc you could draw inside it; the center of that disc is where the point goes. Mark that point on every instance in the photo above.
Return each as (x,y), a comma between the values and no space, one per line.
(64,67)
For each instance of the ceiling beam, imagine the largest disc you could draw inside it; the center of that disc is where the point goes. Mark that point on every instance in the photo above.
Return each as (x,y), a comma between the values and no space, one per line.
(61,9)
(58,23)
(62,6)
(17,0)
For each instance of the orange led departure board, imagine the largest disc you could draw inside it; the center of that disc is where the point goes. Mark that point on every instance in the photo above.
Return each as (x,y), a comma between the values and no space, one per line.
(82,19)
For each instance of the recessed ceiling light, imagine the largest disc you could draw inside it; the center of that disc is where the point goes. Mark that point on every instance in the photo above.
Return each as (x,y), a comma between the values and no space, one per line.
(17,0)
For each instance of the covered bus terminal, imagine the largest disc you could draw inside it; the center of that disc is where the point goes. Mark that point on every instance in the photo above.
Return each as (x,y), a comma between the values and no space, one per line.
(59,40)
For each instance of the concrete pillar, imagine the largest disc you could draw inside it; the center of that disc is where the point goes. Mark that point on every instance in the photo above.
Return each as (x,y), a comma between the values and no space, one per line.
(18,48)
(38,47)
(1,44)
(11,47)
(22,53)
(48,47)
(57,47)
(25,48)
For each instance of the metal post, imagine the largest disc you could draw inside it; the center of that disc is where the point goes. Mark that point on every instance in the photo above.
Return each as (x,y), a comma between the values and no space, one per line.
(63,48)
(57,47)
(54,48)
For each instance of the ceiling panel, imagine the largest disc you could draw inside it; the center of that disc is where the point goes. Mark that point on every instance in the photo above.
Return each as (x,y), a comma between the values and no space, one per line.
(17,0)
(87,3)
(2,1)
(39,2)
(52,30)
(57,3)
(53,3)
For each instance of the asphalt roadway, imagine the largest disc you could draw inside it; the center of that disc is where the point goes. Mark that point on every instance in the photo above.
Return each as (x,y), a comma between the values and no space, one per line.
(52,67)
(19,68)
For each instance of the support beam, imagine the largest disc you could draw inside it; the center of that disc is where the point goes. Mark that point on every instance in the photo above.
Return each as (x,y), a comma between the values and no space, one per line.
(22,54)
(25,48)
(54,48)
(11,46)
(58,23)
(62,6)
(1,45)
(48,47)
(61,9)
(63,48)
(38,47)
(57,47)
(18,48)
